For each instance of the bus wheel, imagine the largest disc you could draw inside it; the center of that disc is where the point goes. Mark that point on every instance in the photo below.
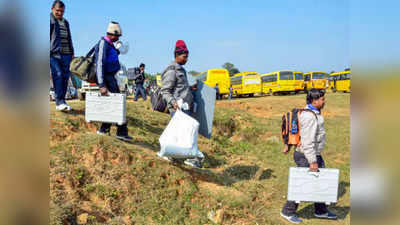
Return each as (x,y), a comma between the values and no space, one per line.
(251,95)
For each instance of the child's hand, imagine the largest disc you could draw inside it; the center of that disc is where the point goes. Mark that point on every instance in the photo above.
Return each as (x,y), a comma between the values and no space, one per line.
(286,150)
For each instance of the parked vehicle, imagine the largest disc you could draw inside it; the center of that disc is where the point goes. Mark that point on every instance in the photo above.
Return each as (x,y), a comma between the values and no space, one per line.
(339,81)
(246,83)
(278,82)
(212,77)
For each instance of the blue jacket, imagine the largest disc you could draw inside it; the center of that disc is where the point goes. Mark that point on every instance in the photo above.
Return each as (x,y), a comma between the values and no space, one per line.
(55,39)
(106,58)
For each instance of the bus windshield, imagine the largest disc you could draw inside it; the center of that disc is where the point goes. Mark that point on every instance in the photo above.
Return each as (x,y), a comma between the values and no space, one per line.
(286,75)
(318,76)
(298,76)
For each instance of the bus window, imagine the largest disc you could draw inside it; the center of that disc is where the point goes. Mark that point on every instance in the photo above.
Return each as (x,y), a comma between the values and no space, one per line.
(265,79)
(274,78)
(318,76)
(286,75)
(236,80)
(299,76)
(307,77)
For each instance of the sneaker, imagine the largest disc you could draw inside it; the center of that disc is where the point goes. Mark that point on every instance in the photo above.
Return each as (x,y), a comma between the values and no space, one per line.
(292,219)
(328,215)
(62,107)
(101,132)
(193,163)
(69,108)
(124,138)
(164,157)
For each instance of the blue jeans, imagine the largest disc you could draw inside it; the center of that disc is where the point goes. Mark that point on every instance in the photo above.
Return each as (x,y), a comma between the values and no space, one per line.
(230,95)
(140,90)
(60,75)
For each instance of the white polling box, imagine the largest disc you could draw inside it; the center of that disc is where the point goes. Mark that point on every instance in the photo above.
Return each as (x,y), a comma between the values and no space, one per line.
(305,186)
(109,109)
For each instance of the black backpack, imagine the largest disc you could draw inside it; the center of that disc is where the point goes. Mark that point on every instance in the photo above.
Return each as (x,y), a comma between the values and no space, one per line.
(158,103)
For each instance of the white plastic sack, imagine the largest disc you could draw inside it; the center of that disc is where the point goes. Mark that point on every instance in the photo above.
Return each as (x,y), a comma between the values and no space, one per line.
(179,139)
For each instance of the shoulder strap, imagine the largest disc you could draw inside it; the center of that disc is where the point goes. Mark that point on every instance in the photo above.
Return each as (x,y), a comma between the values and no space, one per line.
(91,51)
(89,54)
(170,67)
(309,110)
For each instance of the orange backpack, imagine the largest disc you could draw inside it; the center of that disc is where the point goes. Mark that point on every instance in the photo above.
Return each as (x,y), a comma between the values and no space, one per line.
(291,127)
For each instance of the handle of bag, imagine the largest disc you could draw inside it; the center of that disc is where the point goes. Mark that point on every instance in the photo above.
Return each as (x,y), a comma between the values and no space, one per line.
(314,173)
(86,57)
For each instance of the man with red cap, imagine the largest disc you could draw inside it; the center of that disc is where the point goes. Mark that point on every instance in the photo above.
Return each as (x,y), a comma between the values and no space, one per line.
(175,86)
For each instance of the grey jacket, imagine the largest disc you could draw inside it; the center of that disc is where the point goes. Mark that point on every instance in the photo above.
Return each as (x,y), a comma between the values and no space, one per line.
(313,135)
(55,39)
(175,85)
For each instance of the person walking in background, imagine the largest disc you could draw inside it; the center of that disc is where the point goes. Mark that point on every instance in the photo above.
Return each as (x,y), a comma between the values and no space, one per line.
(107,65)
(139,81)
(175,86)
(217,92)
(61,53)
(308,154)
(230,92)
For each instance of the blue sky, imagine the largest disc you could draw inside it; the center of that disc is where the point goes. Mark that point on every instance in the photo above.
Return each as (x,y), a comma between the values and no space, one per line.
(264,36)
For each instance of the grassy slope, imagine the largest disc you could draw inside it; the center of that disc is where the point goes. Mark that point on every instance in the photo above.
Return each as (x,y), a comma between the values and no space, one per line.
(244,180)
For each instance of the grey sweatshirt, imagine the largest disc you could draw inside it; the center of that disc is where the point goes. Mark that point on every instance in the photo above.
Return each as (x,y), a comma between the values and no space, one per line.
(175,85)
(312,133)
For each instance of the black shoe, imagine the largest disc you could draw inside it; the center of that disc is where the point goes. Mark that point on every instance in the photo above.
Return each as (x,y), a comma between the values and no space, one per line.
(124,137)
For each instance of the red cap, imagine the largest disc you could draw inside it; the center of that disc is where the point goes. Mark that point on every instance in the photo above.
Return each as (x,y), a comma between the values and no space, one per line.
(180,47)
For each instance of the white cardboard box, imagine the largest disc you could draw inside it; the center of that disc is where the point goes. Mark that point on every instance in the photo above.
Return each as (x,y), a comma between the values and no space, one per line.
(305,186)
(109,109)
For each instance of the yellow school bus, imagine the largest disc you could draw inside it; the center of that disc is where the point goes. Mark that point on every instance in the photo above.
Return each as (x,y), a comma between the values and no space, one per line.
(315,79)
(246,83)
(299,81)
(280,81)
(159,80)
(339,81)
(212,77)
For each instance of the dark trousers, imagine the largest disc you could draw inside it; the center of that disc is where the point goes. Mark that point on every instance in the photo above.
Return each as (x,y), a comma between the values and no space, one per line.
(290,207)
(112,86)
(60,76)
(140,91)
